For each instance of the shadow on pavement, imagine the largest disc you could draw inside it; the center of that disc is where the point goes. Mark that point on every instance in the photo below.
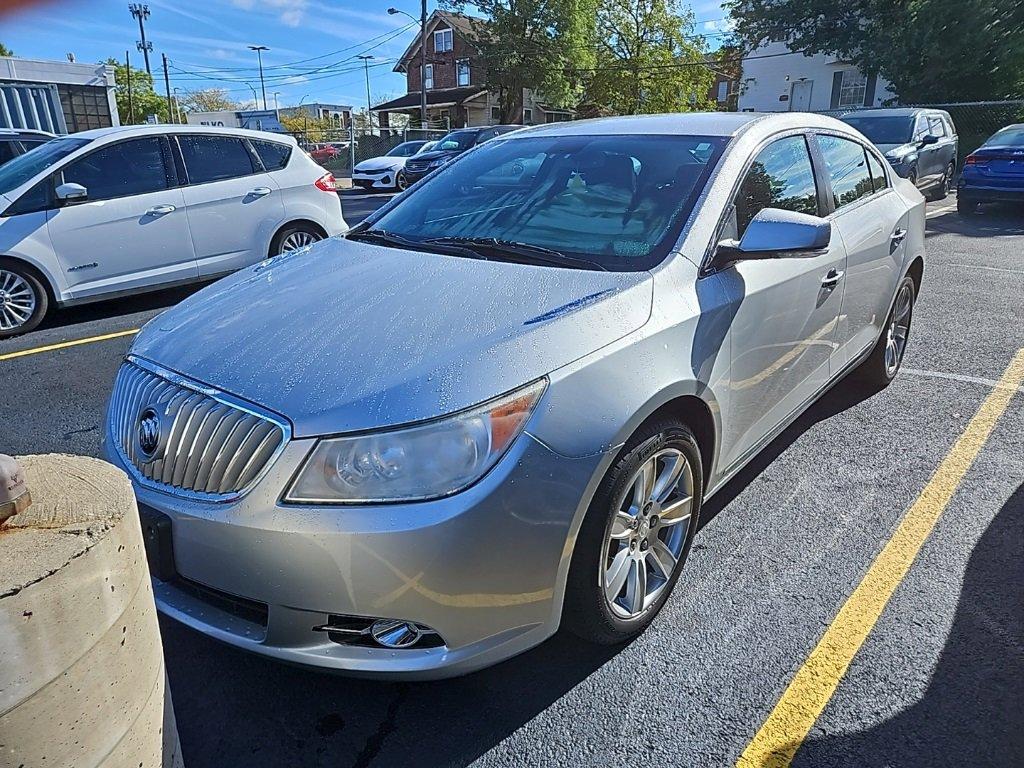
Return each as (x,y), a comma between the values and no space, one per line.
(972,712)
(993,220)
(114,308)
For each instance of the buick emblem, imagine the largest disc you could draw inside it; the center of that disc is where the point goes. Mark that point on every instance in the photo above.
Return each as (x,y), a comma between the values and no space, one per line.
(149,433)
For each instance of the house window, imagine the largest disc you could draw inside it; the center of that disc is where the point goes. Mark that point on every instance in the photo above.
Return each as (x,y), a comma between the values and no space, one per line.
(495,114)
(527,116)
(428,78)
(723,91)
(853,89)
(442,40)
(462,69)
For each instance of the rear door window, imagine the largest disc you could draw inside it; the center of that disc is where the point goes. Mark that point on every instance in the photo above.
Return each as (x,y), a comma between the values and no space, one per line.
(133,167)
(781,176)
(273,155)
(215,158)
(847,166)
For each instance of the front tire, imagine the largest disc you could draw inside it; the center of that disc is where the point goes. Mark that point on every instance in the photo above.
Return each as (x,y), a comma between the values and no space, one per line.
(401,183)
(884,362)
(23,299)
(941,192)
(293,237)
(636,535)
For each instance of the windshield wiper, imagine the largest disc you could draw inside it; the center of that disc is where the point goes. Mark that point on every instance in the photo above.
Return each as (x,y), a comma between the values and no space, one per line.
(525,253)
(383,237)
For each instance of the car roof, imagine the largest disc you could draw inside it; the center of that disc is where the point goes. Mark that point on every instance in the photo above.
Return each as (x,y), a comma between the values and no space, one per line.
(723,124)
(123,131)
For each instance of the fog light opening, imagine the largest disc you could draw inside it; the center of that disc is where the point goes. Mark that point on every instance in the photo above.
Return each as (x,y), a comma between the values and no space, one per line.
(397,634)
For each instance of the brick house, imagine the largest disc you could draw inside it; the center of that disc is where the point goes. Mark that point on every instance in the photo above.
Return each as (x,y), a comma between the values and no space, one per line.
(455,75)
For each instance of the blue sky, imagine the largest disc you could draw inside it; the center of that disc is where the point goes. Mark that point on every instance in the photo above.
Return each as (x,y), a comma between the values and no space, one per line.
(206,42)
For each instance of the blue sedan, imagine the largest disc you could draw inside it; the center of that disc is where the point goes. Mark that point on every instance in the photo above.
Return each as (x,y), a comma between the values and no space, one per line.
(993,172)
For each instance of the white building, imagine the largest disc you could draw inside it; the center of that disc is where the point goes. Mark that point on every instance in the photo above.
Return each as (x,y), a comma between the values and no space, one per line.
(56,96)
(776,79)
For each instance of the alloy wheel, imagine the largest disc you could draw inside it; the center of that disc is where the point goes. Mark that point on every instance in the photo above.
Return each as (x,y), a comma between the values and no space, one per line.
(646,537)
(17,300)
(899,328)
(401,183)
(298,239)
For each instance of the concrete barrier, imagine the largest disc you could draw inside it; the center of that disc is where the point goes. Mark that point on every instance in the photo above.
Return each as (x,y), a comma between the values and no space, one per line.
(82,680)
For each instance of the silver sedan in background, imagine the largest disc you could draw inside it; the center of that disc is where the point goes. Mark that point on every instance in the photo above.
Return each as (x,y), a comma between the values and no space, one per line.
(497,405)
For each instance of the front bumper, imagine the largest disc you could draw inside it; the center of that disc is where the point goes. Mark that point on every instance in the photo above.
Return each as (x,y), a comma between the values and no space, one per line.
(375,179)
(484,568)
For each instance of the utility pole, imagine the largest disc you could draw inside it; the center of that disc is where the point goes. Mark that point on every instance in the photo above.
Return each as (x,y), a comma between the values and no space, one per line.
(259,55)
(366,69)
(128,69)
(141,12)
(167,85)
(423,63)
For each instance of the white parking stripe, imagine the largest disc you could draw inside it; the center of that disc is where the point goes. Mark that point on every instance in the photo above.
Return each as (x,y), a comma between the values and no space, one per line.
(987,383)
(937,211)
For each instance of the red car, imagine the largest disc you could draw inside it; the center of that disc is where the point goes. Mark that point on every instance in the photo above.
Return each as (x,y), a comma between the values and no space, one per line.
(324,152)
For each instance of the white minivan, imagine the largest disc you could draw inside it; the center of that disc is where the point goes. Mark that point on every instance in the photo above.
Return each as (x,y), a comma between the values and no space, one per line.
(122,210)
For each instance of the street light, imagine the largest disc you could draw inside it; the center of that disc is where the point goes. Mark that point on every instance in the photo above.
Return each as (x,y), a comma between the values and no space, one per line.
(366,69)
(423,56)
(259,55)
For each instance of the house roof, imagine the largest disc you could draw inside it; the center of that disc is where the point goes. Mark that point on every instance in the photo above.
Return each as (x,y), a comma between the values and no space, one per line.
(439,98)
(468,27)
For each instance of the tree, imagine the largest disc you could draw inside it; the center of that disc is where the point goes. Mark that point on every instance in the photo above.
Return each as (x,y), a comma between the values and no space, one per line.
(144,102)
(648,59)
(929,50)
(207,100)
(538,44)
(5,51)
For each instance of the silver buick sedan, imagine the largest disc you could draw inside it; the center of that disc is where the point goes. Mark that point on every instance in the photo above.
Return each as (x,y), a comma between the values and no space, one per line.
(496,406)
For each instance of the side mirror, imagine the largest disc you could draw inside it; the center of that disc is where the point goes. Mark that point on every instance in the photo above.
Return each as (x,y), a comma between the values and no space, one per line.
(774,234)
(71,192)
(929,140)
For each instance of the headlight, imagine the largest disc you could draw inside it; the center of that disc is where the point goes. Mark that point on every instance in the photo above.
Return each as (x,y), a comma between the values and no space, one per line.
(439,162)
(897,158)
(426,461)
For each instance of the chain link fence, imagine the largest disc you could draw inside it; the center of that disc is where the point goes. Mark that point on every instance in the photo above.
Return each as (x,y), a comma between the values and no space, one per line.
(974,121)
(340,149)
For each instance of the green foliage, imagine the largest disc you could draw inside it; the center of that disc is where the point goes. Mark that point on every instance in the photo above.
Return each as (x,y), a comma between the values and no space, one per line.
(144,102)
(648,59)
(538,44)
(206,100)
(5,51)
(930,50)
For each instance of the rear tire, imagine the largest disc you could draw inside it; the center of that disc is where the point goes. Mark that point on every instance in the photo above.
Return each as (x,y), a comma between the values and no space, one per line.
(884,362)
(295,236)
(648,535)
(966,207)
(24,299)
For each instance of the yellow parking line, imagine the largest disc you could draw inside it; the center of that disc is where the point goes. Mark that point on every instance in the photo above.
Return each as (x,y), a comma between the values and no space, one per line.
(812,687)
(66,344)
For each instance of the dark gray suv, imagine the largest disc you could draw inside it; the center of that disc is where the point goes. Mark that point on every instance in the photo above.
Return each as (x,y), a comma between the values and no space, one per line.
(921,144)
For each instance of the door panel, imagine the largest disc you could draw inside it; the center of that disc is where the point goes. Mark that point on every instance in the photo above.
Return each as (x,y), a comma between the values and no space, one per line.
(783,331)
(131,231)
(232,207)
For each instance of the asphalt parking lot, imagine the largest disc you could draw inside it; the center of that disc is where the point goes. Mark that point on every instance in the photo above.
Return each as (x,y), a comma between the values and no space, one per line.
(770,594)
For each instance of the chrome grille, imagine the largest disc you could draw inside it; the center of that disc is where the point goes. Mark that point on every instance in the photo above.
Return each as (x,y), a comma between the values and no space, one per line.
(417,166)
(205,443)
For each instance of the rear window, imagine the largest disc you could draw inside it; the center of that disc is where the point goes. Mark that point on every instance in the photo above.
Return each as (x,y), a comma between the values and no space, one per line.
(273,155)
(1008,137)
(215,158)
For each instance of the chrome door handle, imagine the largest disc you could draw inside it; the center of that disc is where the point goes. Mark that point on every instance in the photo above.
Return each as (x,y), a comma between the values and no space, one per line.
(160,210)
(896,238)
(259,192)
(832,278)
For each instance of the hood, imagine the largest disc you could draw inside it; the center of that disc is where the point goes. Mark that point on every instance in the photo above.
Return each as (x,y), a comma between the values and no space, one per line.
(348,336)
(435,154)
(381,164)
(885,149)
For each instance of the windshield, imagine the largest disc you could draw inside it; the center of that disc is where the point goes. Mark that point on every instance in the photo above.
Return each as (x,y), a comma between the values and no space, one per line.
(407,149)
(883,130)
(429,146)
(1008,137)
(456,140)
(617,202)
(35,161)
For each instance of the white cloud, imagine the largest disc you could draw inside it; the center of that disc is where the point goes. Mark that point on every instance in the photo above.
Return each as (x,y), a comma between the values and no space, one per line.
(289,12)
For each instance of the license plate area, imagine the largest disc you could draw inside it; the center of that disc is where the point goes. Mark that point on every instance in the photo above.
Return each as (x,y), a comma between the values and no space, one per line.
(156,535)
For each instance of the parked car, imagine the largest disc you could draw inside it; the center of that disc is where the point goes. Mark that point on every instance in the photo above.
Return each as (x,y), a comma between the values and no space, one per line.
(451,146)
(503,399)
(993,172)
(324,153)
(14,142)
(387,171)
(123,210)
(921,144)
